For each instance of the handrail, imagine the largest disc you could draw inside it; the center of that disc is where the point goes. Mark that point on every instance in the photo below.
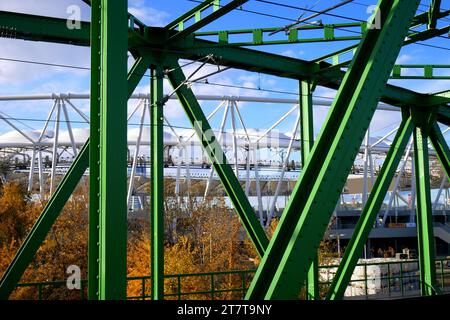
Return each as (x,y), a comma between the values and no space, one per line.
(393,281)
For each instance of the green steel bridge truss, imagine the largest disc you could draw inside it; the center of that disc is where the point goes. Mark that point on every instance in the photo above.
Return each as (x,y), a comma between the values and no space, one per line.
(290,257)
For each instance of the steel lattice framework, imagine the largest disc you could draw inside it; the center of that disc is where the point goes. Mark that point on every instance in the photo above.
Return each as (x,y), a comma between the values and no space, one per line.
(289,258)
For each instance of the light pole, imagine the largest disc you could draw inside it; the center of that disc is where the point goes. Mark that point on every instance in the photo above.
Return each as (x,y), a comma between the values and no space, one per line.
(210,246)
(338,239)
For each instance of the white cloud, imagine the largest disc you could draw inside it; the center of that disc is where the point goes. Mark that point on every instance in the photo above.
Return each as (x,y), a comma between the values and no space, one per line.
(404,58)
(19,73)
(293,54)
(382,121)
(23,74)
(322,92)
(435,86)
(49,8)
(248,78)
(148,15)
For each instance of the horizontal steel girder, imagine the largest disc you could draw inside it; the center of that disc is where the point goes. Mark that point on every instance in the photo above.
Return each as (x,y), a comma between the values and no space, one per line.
(157,182)
(233,57)
(262,36)
(425,72)
(195,13)
(200,22)
(335,57)
(113,150)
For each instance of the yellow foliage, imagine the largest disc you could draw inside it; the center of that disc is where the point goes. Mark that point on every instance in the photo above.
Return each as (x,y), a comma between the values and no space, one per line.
(200,237)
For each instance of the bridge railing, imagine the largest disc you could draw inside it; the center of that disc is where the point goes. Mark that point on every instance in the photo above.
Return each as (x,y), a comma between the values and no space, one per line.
(387,279)
(370,281)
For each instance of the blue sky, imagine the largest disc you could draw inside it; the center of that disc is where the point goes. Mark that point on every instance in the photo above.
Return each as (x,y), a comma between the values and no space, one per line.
(21,78)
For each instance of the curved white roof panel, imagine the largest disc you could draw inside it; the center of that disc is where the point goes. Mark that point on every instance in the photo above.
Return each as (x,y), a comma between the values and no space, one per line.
(16,139)
(80,135)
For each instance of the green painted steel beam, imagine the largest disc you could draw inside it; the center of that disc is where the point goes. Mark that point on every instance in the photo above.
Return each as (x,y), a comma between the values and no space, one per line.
(137,71)
(218,159)
(246,59)
(113,150)
(443,94)
(414,36)
(433,100)
(291,250)
(443,116)
(313,291)
(256,61)
(157,182)
(201,22)
(134,76)
(136,26)
(425,234)
(24,26)
(51,212)
(433,13)
(250,60)
(427,34)
(440,146)
(336,62)
(307,140)
(44,223)
(262,36)
(94,155)
(306,118)
(369,214)
(424,18)
(48,29)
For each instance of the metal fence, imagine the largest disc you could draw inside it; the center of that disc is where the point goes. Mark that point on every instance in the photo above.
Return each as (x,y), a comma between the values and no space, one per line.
(384,280)
(393,279)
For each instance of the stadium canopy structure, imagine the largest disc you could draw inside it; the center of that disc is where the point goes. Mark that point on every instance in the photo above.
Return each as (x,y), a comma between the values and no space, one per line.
(359,73)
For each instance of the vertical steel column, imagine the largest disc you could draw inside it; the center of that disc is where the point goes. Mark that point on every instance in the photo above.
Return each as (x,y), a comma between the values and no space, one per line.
(157,182)
(425,234)
(53,208)
(306,118)
(94,154)
(412,214)
(113,150)
(307,141)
